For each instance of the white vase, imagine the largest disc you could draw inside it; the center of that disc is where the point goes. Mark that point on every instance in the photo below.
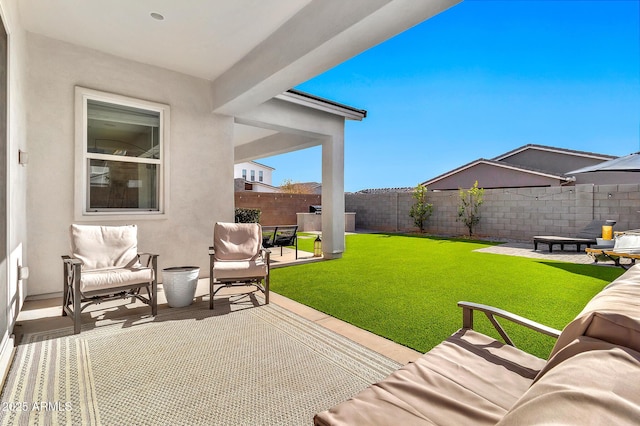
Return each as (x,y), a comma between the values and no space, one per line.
(179,284)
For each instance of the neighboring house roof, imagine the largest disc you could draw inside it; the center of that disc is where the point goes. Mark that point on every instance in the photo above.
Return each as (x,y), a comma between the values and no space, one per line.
(572,152)
(311,184)
(526,166)
(498,166)
(628,163)
(384,190)
(261,165)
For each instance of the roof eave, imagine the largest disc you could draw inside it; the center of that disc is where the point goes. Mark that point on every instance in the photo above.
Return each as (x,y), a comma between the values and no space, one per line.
(326,105)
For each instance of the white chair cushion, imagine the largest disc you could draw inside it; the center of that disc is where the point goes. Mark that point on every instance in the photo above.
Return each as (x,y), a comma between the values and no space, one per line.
(223,270)
(627,243)
(103,247)
(106,279)
(237,241)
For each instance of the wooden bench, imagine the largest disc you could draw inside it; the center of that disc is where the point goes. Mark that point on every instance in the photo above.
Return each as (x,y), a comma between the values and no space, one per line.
(280,236)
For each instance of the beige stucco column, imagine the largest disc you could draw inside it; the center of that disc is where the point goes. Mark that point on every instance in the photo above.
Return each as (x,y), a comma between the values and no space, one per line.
(300,125)
(333,196)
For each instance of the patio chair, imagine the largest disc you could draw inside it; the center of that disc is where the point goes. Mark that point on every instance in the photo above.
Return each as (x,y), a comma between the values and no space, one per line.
(105,265)
(586,237)
(237,258)
(625,246)
(280,236)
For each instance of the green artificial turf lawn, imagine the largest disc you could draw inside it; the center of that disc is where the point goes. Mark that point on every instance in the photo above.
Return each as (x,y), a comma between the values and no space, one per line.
(406,288)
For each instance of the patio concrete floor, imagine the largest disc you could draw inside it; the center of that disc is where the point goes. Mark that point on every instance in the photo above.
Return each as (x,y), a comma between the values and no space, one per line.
(45,314)
(526,250)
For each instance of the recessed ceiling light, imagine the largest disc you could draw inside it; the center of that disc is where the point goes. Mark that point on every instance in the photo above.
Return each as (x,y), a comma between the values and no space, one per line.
(157,16)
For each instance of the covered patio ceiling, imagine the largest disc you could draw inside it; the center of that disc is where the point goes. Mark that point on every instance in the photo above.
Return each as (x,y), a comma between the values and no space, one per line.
(250,50)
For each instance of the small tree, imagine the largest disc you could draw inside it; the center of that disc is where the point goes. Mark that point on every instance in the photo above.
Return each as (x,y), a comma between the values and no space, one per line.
(469,208)
(421,210)
(290,187)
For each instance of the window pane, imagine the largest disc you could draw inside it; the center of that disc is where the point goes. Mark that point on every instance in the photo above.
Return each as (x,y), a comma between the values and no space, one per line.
(122,130)
(122,185)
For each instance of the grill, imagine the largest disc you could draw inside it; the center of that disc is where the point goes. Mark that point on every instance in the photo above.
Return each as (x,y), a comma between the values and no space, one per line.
(315,209)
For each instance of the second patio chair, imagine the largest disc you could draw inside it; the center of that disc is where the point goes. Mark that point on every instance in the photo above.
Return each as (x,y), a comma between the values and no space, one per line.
(237,258)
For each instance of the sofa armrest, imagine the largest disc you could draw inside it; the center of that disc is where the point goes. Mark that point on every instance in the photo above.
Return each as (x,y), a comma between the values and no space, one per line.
(152,260)
(491,313)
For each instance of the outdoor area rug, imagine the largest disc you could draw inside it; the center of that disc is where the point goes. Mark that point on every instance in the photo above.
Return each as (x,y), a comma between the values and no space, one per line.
(187,366)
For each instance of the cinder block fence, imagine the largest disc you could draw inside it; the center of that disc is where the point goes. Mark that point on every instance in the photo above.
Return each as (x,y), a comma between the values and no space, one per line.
(513,214)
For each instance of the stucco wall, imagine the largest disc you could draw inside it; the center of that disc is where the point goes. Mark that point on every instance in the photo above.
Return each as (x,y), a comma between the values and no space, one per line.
(277,209)
(201,153)
(507,214)
(16,174)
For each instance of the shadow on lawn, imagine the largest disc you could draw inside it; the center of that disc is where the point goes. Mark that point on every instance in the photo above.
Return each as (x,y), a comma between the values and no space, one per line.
(443,240)
(603,272)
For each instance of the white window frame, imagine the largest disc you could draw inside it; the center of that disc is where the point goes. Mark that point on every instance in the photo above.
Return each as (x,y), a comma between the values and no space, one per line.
(81,177)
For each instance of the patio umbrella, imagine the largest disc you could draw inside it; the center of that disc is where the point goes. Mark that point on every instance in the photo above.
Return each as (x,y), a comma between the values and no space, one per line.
(628,163)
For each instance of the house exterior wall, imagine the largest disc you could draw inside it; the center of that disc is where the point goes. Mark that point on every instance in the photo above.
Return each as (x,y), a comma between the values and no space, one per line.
(507,214)
(200,148)
(257,168)
(490,176)
(16,213)
(550,161)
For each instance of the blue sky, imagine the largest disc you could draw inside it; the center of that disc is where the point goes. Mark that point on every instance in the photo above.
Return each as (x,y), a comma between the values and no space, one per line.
(481,79)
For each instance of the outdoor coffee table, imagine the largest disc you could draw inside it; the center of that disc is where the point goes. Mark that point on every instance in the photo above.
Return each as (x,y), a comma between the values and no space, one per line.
(561,241)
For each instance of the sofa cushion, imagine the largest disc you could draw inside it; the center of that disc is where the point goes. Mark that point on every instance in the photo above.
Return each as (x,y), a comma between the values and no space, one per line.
(104,247)
(598,383)
(468,379)
(613,315)
(237,241)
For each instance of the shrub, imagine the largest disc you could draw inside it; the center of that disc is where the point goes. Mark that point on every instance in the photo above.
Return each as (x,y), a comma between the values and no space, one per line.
(244,215)
(469,208)
(421,210)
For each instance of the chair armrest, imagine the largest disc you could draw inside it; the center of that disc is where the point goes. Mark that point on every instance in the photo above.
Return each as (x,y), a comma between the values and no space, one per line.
(491,313)
(71,260)
(266,253)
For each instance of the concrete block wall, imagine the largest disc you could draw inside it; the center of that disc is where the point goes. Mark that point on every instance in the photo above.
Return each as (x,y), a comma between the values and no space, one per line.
(277,208)
(515,214)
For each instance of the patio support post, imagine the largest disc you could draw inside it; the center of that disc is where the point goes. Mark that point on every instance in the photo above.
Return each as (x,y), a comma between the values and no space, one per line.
(333,196)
